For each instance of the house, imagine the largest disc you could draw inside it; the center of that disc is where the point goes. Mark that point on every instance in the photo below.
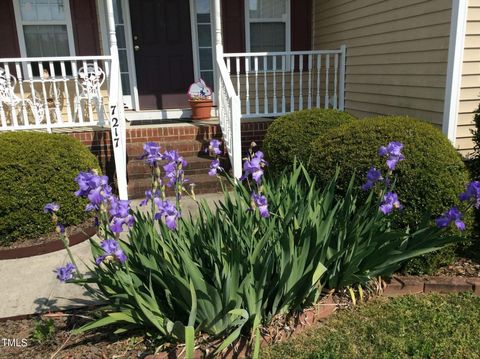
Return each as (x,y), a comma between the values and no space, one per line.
(67,63)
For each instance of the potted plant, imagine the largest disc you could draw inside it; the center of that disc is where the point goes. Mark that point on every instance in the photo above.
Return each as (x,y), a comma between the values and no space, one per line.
(200,99)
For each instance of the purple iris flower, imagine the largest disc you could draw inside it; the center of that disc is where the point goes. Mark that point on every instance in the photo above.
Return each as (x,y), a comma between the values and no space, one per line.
(94,187)
(393,151)
(169,211)
(83,180)
(112,251)
(472,193)
(51,208)
(98,196)
(173,169)
(215,147)
(60,228)
(149,195)
(215,168)
(174,156)
(88,181)
(151,153)
(65,273)
(373,176)
(117,223)
(119,208)
(390,202)
(260,202)
(120,211)
(452,215)
(254,167)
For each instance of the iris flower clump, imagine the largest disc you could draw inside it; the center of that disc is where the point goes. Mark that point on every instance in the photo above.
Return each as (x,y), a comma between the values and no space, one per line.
(270,248)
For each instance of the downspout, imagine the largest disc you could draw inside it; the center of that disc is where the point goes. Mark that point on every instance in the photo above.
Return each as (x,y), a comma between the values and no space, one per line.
(454,69)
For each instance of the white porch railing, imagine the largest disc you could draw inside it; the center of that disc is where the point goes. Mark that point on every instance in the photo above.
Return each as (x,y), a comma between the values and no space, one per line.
(53,92)
(270,84)
(229,114)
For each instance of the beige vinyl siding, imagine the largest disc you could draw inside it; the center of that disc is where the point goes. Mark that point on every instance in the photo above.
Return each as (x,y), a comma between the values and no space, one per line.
(470,85)
(397,53)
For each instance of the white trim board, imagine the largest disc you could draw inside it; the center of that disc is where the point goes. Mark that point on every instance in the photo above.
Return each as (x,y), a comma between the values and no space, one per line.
(454,69)
(169,114)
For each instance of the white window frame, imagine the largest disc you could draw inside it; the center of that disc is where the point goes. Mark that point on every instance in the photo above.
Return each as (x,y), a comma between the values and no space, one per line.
(195,45)
(20,23)
(286,20)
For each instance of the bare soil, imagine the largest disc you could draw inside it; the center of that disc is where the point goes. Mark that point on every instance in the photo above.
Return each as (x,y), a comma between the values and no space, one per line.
(101,344)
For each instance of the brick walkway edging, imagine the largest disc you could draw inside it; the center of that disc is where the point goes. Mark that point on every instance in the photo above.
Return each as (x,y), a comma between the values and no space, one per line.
(397,286)
(400,285)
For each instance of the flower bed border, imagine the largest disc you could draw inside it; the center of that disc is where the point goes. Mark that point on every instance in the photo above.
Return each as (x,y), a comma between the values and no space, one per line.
(44,248)
(403,285)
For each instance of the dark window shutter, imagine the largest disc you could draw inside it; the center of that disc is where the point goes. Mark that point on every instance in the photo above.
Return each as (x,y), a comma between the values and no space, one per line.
(9,44)
(233,15)
(301,24)
(85,27)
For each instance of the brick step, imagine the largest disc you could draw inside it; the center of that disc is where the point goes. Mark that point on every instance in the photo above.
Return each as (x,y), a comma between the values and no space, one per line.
(195,166)
(203,184)
(185,148)
(172,133)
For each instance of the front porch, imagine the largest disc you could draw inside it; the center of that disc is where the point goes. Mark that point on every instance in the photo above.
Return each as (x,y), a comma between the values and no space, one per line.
(64,92)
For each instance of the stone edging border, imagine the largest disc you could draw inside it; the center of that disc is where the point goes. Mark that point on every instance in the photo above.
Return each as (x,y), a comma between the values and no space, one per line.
(49,247)
(397,286)
(400,285)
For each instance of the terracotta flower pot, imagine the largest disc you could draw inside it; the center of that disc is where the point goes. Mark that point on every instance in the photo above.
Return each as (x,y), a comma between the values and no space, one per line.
(201,109)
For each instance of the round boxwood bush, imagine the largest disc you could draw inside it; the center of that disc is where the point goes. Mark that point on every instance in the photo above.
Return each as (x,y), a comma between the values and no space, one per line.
(289,136)
(429,179)
(35,169)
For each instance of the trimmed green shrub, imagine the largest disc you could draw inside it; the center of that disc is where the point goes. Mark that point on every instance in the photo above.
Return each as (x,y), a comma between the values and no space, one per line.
(290,136)
(429,180)
(35,169)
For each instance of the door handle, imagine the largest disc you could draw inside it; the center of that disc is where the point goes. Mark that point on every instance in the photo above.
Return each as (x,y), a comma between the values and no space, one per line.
(136,48)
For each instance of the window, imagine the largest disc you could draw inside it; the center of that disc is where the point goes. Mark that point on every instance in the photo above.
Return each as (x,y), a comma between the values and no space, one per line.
(205,49)
(120,25)
(44,28)
(267,25)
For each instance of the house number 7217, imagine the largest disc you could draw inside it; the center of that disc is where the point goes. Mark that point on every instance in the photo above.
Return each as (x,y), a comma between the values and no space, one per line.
(116,137)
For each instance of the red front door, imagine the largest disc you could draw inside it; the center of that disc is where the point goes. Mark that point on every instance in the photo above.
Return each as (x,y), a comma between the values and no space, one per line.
(163,52)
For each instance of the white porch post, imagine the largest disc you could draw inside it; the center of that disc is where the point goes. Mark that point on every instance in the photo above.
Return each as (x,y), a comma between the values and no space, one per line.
(341,87)
(454,70)
(117,115)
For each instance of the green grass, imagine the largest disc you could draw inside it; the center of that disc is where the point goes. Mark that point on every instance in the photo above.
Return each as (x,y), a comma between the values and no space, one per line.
(424,326)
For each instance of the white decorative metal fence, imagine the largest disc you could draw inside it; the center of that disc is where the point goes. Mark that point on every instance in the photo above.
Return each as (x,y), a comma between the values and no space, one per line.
(270,84)
(53,92)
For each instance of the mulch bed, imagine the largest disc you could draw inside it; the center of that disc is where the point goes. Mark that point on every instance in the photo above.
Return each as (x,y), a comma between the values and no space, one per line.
(463,267)
(50,237)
